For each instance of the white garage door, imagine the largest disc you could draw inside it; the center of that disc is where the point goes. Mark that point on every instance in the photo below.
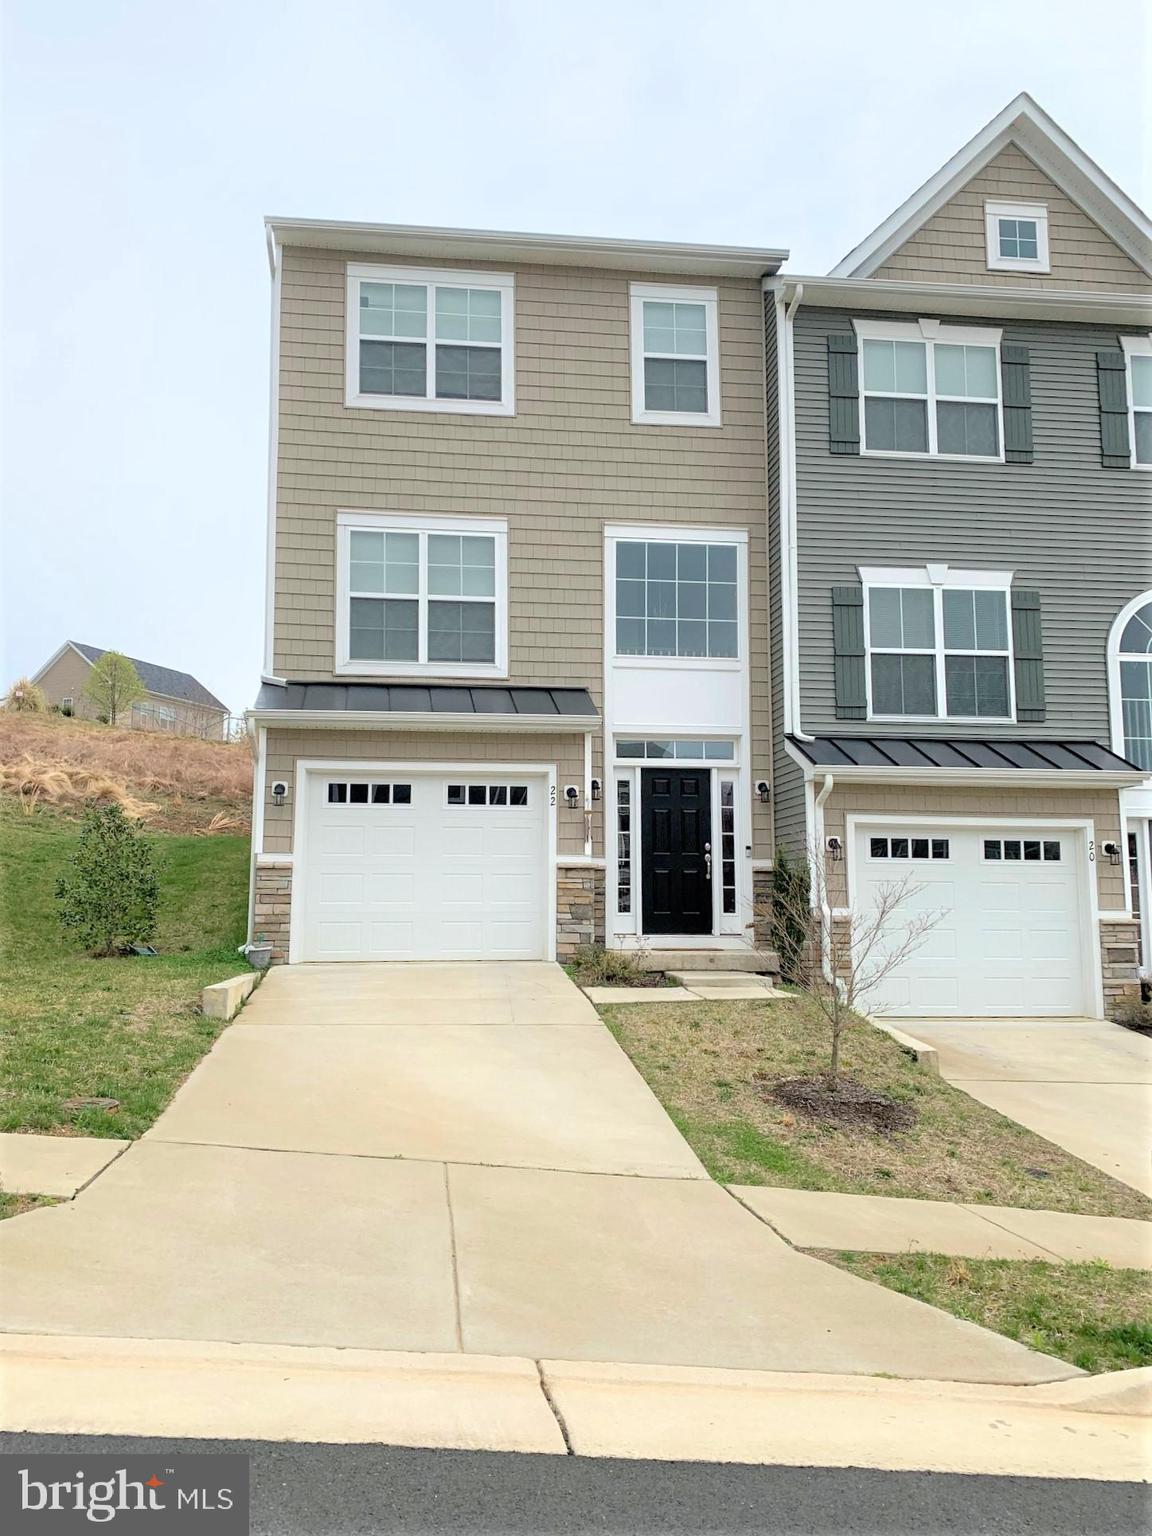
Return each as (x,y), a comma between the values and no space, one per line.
(1010,937)
(409,866)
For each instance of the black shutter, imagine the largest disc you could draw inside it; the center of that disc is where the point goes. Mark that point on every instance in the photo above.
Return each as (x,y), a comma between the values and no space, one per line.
(1112,376)
(848,652)
(1016,374)
(843,394)
(1028,652)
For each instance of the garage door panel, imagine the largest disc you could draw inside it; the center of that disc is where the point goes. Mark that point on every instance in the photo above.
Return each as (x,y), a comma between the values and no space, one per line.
(425,878)
(1011,935)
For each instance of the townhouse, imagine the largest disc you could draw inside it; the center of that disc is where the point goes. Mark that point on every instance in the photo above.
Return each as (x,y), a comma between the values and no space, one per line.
(961,556)
(600,570)
(517,596)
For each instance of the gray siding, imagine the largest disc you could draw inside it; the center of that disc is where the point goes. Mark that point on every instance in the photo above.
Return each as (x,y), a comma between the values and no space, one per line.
(1079,533)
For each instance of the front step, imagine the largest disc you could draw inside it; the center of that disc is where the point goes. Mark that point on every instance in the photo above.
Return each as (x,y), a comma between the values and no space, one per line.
(759,962)
(720,984)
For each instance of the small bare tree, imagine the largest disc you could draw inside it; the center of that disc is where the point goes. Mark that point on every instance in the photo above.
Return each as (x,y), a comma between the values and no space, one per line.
(842,962)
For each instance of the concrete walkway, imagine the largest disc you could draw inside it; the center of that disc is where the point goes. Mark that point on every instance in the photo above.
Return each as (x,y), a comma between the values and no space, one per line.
(1083,1083)
(445,1159)
(53,1165)
(880,1224)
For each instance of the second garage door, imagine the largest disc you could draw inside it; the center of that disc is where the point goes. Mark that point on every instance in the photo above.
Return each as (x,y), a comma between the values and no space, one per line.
(411,866)
(1010,937)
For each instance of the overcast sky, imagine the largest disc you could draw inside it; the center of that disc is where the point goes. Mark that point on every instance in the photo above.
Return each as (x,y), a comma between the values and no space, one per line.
(144,142)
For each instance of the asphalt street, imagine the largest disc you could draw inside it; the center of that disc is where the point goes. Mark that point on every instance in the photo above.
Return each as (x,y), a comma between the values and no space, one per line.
(338,1490)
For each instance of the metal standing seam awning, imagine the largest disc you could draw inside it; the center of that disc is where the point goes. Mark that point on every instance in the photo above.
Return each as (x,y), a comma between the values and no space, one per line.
(427,706)
(954,759)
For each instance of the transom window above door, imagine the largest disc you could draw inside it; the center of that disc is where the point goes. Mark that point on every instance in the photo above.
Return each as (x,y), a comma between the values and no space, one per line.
(929,389)
(938,651)
(429,340)
(675,356)
(677,599)
(427,598)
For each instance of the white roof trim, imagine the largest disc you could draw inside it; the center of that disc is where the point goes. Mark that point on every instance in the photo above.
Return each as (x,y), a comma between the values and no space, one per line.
(505,245)
(982,300)
(1027,125)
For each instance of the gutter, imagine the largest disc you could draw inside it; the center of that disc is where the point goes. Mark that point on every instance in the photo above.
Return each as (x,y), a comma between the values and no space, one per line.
(387,720)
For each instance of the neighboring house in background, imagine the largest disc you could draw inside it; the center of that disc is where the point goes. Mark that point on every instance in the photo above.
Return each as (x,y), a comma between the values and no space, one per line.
(174,701)
(517,604)
(961,556)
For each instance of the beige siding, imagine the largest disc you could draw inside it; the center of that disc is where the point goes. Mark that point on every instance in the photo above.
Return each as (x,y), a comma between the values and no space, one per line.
(950,247)
(1101,806)
(65,679)
(285,747)
(569,461)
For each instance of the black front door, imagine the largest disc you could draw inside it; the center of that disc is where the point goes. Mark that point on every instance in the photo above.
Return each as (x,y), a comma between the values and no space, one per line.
(676,845)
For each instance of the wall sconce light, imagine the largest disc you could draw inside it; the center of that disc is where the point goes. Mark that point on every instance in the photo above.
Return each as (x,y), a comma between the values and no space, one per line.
(596,790)
(763,791)
(571,796)
(279,792)
(835,849)
(1113,852)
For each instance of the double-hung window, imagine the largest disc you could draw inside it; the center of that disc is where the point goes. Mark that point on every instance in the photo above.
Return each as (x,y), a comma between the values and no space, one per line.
(1138,351)
(938,650)
(429,340)
(1017,236)
(930,389)
(421,596)
(675,356)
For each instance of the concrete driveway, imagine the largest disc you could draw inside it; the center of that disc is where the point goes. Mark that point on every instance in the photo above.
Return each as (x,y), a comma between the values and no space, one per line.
(1083,1083)
(450,1158)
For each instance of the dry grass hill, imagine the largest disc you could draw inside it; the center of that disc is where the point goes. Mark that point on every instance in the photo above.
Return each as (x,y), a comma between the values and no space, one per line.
(173,783)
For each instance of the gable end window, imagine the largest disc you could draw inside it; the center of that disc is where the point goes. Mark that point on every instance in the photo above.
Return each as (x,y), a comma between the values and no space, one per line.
(675,356)
(938,649)
(1017,237)
(928,389)
(420,340)
(424,596)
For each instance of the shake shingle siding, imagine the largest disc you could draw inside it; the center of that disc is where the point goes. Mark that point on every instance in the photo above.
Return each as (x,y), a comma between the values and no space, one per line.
(1078,533)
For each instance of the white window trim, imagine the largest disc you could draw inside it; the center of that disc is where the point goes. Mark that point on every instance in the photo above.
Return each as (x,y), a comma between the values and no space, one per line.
(1134,346)
(504,282)
(939,579)
(1115,692)
(641,416)
(383,522)
(993,213)
(664,534)
(930,331)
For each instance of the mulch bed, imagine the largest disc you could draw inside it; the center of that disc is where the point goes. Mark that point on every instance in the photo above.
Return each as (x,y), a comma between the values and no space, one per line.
(849,1102)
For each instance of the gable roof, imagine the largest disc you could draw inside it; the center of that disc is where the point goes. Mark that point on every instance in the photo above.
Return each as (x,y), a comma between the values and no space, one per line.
(1028,126)
(181,686)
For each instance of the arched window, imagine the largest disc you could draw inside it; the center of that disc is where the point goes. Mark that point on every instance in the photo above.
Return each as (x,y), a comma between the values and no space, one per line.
(1131,682)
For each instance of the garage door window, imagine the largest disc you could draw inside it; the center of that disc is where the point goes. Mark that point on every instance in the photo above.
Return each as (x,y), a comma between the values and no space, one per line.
(1016,850)
(343,792)
(908,848)
(488,794)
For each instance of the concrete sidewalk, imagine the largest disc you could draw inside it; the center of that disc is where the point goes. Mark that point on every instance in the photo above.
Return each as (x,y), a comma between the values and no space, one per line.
(331,1177)
(880,1224)
(1085,1084)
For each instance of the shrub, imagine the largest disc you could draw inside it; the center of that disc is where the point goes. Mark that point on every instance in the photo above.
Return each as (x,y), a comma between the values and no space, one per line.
(791,886)
(1132,1011)
(24,697)
(596,966)
(109,901)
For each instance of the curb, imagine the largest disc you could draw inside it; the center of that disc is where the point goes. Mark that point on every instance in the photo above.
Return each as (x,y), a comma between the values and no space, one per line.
(1085,1427)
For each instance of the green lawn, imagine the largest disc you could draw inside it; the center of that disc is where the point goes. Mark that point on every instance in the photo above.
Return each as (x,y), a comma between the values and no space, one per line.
(127,1029)
(1088,1314)
(700,1059)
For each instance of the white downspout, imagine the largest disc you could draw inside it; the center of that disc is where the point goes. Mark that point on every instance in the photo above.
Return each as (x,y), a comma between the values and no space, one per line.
(275,263)
(822,877)
(587,794)
(788,552)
